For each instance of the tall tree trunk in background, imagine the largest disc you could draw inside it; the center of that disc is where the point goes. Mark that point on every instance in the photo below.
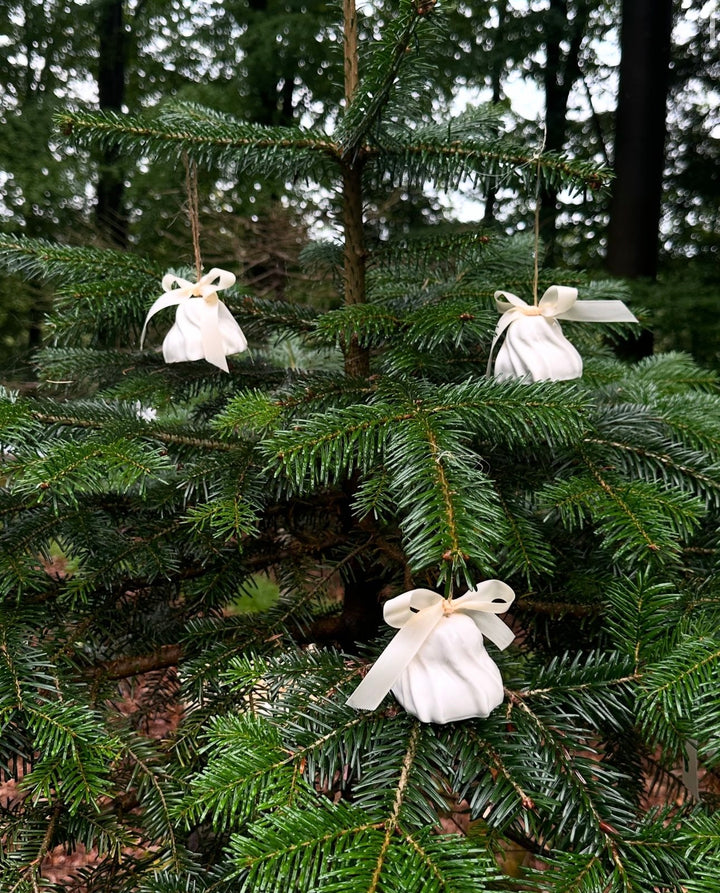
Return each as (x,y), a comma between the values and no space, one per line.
(496,74)
(357,358)
(110,214)
(645,42)
(270,83)
(561,71)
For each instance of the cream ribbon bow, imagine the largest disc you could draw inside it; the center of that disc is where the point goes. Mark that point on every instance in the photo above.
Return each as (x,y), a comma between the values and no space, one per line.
(558,302)
(416,614)
(178,290)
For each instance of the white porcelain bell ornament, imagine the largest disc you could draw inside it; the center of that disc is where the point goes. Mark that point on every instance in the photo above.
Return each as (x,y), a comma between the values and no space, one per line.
(204,328)
(437,666)
(451,677)
(535,348)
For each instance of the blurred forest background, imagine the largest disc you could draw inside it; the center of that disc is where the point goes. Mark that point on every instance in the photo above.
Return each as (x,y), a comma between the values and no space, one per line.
(633,84)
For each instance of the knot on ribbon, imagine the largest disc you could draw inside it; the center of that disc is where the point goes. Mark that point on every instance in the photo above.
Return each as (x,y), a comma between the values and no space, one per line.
(206,286)
(416,614)
(557,301)
(204,327)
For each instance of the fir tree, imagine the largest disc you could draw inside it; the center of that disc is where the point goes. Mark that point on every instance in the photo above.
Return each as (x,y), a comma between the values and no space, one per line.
(386,459)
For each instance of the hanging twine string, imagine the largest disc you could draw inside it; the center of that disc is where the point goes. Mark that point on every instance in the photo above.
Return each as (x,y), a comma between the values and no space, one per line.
(204,328)
(536,247)
(193,206)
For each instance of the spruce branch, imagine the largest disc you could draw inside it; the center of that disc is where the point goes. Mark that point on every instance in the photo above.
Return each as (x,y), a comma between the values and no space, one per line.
(133,665)
(525,548)
(161,810)
(239,781)
(426,155)
(297,845)
(391,823)
(616,496)
(667,467)
(153,432)
(72,264)
(259,412)
(33,868)
(639,521)
(272,151)
(495,762)
(366,101)
(596,811)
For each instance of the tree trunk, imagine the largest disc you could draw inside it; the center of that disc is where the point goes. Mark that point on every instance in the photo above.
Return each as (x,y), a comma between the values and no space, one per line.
(645,42)
(496,74)
(110,214)
(270,100)
(357,359)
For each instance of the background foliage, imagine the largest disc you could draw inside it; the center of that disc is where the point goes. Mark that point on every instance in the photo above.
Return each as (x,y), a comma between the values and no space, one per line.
(277,63)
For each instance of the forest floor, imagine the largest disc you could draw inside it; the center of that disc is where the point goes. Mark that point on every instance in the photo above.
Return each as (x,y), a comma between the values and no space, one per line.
(64,868)
(133,700)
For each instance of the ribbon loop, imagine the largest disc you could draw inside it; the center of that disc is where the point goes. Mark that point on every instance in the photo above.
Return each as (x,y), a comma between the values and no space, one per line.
(225,279)
(397,611)
(558,299)
(416,613)
(170,280)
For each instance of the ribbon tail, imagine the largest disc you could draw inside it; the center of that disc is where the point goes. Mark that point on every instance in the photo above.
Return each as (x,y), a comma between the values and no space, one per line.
(388,668)
(169,299)
(212,340)
(504,321)
(493,628)
(598,311)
